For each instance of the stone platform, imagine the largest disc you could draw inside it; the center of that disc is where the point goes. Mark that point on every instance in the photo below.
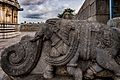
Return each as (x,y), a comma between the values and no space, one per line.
(9,31)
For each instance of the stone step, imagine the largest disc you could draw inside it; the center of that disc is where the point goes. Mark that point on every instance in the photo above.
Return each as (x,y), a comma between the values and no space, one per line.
(6,31)
(7,28)
(9,35)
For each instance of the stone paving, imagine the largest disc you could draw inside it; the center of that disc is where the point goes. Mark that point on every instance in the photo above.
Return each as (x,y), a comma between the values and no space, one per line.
(7,42)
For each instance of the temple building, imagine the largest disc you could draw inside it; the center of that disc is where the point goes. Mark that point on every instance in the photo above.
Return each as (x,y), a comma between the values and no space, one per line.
(99,10)
(9,26)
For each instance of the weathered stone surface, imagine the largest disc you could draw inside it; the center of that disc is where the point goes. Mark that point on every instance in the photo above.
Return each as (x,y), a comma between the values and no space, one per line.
(40,77)
(115,22)
(20,59)
(66,49)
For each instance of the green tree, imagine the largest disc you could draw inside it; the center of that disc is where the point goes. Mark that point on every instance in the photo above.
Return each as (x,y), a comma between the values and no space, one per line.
(67,14)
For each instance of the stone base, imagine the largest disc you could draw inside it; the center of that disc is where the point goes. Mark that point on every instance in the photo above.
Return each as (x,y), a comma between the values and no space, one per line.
(38,77)
(9,35)
(115,22)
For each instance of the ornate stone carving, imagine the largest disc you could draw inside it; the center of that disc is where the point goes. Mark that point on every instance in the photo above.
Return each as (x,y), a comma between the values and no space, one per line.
(21,58)
(72,48)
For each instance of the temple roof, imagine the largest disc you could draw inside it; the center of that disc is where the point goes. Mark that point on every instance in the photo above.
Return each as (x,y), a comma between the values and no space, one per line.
(13,3)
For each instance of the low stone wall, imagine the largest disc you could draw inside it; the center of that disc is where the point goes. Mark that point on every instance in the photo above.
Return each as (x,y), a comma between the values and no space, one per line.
(30,27)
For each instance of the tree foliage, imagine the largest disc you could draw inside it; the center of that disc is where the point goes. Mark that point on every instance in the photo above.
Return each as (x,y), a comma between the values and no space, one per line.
(68,10)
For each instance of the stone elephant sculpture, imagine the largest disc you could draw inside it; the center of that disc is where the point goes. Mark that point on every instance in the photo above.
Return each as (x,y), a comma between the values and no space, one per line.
(83,47)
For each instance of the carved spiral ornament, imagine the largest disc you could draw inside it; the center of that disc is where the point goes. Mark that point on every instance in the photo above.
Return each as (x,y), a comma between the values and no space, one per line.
(19,59)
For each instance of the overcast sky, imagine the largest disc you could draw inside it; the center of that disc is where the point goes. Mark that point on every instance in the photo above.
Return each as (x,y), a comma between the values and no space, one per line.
(40,10)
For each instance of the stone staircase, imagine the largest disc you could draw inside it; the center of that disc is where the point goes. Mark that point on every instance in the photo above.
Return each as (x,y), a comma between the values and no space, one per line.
(7,32)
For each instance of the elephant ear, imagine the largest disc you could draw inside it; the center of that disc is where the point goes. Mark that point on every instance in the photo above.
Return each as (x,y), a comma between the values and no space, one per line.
(70,52)
(20,58)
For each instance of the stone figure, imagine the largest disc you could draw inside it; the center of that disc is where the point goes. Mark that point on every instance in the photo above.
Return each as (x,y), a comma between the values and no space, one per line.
(81,48)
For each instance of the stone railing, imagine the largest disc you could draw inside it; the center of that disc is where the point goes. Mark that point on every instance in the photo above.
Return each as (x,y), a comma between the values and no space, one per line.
(65,50)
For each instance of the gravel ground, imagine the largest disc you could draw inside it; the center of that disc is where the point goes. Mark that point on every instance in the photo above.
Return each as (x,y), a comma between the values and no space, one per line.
(7,42)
